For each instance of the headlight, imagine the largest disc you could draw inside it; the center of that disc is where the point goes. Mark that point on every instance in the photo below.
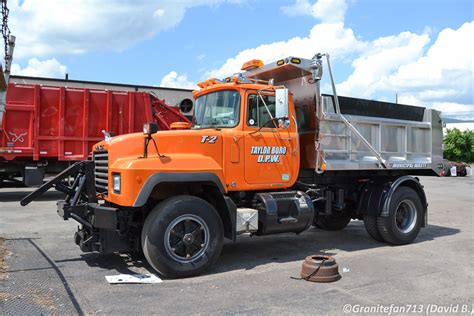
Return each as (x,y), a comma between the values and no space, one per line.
(116,182)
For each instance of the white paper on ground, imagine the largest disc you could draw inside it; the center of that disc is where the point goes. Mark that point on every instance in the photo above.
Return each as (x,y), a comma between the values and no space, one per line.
(133,278)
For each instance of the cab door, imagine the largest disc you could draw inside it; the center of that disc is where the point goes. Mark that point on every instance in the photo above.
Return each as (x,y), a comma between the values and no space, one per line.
(269,146)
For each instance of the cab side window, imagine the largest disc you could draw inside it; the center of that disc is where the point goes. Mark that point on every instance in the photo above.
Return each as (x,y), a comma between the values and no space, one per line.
(258,114)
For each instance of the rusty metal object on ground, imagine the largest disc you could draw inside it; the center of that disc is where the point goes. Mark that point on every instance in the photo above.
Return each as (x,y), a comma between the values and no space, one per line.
(319,268)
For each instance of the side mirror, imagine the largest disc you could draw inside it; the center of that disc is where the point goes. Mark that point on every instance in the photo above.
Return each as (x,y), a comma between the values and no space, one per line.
(281,99)
(149,129)
(284,123)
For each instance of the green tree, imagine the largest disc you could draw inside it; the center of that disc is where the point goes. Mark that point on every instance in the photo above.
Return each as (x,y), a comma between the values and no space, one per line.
(459,146)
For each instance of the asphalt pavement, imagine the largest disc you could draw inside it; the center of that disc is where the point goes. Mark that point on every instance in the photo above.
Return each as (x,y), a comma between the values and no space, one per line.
(45,272)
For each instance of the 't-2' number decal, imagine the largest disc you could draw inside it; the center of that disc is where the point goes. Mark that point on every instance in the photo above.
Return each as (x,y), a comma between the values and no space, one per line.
(208,139)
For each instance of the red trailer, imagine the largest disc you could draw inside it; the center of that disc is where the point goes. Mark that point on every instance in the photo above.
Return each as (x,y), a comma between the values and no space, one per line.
(45,128)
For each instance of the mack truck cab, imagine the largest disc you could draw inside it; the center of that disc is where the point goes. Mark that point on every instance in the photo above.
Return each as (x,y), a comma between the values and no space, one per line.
(266,154)
(238,142)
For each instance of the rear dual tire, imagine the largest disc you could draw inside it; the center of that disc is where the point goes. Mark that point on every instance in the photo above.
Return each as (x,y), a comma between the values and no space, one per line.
(370,224)
(404,219)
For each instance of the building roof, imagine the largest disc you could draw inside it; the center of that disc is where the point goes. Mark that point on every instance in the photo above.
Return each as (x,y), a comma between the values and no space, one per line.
(93,83)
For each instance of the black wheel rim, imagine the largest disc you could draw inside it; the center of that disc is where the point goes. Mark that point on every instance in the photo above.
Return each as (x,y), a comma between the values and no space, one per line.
(187,238)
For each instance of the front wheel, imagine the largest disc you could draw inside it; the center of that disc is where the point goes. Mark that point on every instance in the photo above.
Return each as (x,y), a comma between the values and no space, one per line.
(404,219)
(182,236)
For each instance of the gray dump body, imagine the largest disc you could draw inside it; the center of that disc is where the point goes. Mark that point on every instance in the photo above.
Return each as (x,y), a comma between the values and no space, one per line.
(355,134)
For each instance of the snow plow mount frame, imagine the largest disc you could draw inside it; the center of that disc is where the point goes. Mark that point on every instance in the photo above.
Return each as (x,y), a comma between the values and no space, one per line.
(82,189)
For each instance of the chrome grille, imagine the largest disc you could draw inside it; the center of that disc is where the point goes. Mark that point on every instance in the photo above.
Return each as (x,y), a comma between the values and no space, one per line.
(101,171)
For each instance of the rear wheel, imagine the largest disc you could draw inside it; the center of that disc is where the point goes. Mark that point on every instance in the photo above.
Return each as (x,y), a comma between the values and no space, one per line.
(331,222)
(370,223)
(404,220)
(182,236)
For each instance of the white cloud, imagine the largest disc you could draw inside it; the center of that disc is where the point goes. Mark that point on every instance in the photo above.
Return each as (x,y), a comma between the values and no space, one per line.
(325,10)
(381,57)
(449,109)
(429,71)
(437,74)
(50,68)
(445,73)
(452,107)
(332,38)
(55,27)
(173,80)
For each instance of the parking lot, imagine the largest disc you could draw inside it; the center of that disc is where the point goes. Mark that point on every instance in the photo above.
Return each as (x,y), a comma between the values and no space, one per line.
(45,272)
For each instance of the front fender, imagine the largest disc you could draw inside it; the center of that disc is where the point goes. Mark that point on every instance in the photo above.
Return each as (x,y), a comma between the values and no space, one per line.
(140,175)
(175,177)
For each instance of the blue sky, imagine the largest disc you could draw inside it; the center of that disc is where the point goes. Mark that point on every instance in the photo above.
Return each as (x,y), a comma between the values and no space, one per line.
(420,49)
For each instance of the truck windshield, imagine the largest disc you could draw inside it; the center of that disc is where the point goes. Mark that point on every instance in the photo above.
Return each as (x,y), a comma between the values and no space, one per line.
(217,109)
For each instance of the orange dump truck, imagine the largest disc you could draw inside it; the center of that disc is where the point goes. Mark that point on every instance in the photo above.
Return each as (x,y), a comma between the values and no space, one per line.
(266,154)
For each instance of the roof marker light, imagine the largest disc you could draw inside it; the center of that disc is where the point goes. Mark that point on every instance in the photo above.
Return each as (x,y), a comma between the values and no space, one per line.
(252,64)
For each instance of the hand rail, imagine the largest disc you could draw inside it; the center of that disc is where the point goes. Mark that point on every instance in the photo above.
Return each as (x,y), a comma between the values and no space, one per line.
(382,162)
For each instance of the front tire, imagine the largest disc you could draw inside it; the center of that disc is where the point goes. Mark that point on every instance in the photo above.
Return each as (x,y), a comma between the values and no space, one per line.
(182,236)
(404,220)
